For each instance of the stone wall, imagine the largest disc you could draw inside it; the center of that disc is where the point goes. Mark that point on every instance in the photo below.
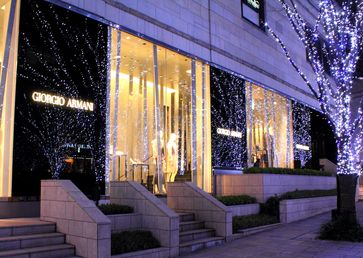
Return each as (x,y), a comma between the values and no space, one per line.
(187,197)
(155,215)
(84,225)
(17,209)
(263,186)
(122,222)
(245,209)
(298,209)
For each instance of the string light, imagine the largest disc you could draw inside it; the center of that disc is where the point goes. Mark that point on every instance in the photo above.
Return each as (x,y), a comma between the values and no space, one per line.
(302,132)
(342,31)
(56,68)
(228,111)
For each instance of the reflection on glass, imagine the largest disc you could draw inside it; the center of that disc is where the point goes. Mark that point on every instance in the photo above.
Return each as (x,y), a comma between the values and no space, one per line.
(151,136)
(9,18)
(269,128)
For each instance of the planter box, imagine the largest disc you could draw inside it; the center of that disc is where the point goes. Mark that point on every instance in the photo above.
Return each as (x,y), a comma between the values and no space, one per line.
(161,252)
(263,186)
(122,222)
(298,209)
(245,209)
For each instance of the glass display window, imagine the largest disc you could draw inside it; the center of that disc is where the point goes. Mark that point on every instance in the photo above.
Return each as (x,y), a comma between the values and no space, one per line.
(269,128)
(9,32)
(159,115)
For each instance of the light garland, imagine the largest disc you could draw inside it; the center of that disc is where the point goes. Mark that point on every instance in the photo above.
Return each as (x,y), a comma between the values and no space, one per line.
(302,132)
(228,111)
(342,29)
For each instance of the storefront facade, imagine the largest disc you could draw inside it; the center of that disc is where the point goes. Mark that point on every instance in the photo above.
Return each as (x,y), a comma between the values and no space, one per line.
(95,102)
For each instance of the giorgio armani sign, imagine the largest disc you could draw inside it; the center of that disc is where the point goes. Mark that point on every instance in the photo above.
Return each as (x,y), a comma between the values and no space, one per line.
(60,101)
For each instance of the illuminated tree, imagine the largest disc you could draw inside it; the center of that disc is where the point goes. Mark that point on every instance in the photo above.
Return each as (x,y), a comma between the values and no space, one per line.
(64,54)
(333,44)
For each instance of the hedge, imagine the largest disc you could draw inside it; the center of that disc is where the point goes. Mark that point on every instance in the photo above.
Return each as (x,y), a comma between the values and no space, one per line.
(111,208)
(250,221)
(236,199)
(287,171)
(299,194)
(132,241)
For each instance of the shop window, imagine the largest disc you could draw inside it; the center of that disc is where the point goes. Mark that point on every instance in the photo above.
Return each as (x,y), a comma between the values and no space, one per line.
(269,128)
(159,127)
(9,30)
(253,11)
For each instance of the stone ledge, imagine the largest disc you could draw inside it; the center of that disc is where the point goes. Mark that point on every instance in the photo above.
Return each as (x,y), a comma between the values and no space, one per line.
(244,209)
(249,231)
(298,209)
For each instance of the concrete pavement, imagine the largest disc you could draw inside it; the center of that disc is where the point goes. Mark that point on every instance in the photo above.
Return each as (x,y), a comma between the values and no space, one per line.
(294,240)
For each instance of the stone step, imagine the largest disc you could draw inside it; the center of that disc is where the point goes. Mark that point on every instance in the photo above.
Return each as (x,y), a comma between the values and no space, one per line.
(17,227)
(28,241)
(191,235)
(50,251)
(190,225)
(185,216)
(195,245)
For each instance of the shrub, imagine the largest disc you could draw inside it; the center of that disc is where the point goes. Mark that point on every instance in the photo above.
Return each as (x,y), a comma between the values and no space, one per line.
(111,208)
(298,194)
(341,230)
(131,241)
(271,207)
(236,199)
(287,171)
(250,221)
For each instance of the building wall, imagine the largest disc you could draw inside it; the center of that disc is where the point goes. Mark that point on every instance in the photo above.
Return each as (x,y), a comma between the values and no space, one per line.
(215,31)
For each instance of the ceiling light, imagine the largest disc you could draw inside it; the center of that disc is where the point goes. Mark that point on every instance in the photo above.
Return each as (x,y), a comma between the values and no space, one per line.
(3,7)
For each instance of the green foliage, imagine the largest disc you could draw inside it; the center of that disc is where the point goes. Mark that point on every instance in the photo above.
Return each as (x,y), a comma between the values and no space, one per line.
(340,230)
(271,207)
(298,194)
(287,171)
(111,208)
(236,199)
(250,221)
(131,241)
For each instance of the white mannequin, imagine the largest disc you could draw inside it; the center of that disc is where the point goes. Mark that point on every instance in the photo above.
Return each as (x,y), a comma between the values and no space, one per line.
(172,158)
(154,146)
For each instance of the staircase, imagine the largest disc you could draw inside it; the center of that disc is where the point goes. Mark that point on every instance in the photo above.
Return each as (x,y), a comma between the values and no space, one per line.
(30,237)
(194,236)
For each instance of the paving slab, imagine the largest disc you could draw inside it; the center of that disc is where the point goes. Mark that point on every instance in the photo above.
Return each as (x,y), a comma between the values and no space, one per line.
(296,239)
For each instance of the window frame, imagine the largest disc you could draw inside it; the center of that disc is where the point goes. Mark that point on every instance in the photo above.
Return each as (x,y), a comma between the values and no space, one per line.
(261,13)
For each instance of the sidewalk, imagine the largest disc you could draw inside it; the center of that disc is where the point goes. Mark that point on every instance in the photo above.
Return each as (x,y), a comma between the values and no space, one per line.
(294,240)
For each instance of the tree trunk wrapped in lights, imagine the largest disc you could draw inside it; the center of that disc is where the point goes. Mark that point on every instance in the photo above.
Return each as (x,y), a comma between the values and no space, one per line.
(334,64)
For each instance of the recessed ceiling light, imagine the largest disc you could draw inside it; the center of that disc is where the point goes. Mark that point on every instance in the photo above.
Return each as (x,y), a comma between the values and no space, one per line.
(188,71)
(3,7)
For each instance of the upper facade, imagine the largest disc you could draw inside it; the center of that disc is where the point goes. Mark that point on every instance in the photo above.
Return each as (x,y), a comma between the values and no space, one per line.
(216,31)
